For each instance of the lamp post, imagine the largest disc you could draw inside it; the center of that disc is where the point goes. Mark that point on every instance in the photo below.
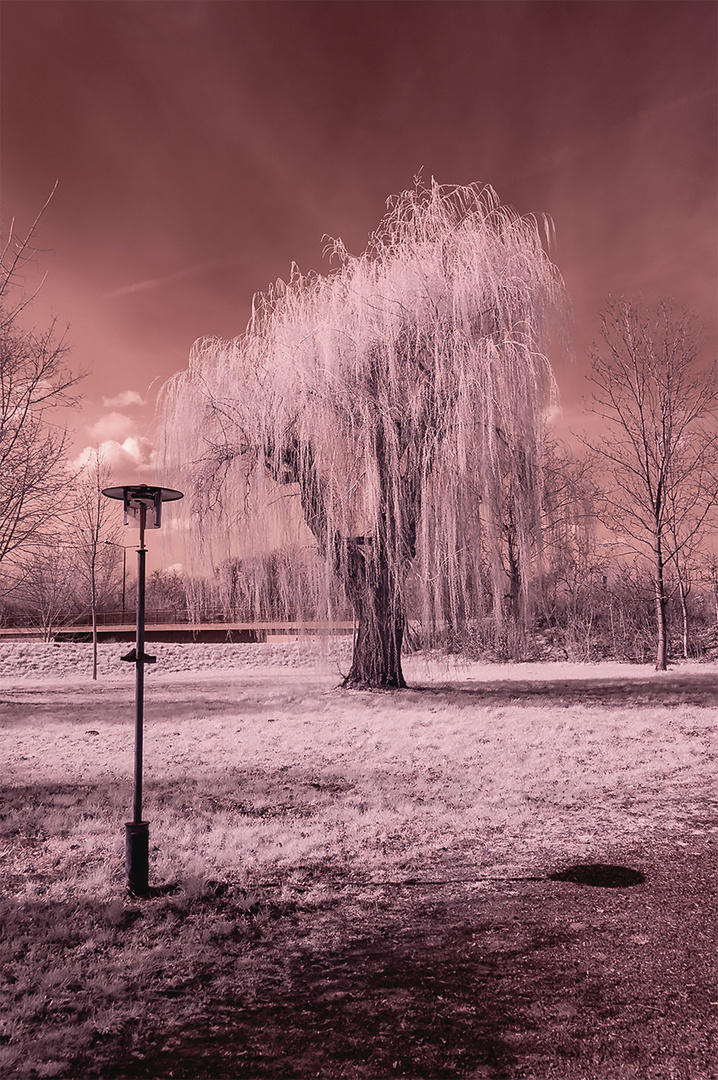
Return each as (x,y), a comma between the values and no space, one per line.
(143,505)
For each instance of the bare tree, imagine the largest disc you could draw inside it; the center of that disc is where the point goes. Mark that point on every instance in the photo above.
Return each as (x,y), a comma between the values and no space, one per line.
(95,537)
(46,585)
(660,443)
(392,400)
(709,578)
(681,556)
(35,383)
(575,572)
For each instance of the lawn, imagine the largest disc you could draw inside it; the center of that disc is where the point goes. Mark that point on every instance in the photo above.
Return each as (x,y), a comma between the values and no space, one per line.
(505,871)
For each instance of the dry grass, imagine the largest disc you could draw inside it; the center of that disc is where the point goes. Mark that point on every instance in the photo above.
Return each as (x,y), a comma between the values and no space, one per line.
(270,795)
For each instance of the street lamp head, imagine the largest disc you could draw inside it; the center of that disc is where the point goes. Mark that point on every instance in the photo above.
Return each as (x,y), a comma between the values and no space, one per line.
(138,496)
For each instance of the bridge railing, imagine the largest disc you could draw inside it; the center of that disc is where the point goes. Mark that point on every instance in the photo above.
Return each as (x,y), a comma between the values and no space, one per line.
(168,617)
(155,616)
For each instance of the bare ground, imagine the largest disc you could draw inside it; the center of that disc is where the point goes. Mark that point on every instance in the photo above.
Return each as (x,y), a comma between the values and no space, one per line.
(452,976)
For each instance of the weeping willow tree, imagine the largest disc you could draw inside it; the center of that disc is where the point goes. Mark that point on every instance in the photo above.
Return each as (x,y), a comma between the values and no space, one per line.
(386,413)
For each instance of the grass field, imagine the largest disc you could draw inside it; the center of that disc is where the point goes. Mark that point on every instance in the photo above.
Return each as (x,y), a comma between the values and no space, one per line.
(355,884)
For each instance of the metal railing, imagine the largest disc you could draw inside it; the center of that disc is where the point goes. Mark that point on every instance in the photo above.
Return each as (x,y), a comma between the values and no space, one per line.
(169,617)
(128,617)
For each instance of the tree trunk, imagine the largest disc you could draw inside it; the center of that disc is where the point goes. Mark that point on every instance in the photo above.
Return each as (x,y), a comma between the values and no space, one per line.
(94,624)
(372,582)
(94,642)
(376,662)
(684,614)
(514,579)
(662,642)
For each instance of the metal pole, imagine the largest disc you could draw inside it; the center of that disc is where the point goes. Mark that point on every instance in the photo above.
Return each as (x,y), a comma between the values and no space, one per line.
(137,831)
(124,579)
(137,498)
(140,666)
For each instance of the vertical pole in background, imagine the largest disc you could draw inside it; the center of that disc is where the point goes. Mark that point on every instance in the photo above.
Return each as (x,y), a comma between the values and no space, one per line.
(124,580)
(137,831)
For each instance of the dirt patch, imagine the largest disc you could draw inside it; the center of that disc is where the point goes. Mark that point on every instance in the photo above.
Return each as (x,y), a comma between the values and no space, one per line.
(533,978)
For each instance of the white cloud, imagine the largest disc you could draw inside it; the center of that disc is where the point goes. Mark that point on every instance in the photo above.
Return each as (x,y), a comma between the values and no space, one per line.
(130,460)
(113,426)
(123,400)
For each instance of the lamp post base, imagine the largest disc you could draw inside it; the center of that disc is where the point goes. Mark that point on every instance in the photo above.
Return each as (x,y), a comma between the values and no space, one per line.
(137,856)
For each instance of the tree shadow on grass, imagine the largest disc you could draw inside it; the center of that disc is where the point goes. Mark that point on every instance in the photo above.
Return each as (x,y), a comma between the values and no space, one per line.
(527,978)
(284,994)
(671,688)
(413,1000)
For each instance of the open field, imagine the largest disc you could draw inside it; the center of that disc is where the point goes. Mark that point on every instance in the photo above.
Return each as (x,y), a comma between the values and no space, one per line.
(355,884)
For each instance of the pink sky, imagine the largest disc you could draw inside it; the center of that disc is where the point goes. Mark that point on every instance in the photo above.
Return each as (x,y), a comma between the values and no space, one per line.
(202,146)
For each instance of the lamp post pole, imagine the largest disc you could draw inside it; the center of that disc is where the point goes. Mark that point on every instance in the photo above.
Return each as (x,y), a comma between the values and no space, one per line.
(138,500)
(137,831)
(140,664)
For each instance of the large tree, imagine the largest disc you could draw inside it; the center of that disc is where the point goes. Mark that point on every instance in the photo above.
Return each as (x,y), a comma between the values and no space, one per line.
(658,403)
(35,385)
(391,398)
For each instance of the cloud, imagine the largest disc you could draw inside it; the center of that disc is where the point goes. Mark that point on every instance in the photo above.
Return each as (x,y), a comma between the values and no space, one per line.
(114,425)
(130,460)
(169,279)
(123,400)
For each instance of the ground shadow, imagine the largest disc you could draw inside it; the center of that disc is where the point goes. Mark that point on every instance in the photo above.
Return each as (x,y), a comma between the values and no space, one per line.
(519,979)
(412,988)
(665,688)
(373,1008)
(599,875)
